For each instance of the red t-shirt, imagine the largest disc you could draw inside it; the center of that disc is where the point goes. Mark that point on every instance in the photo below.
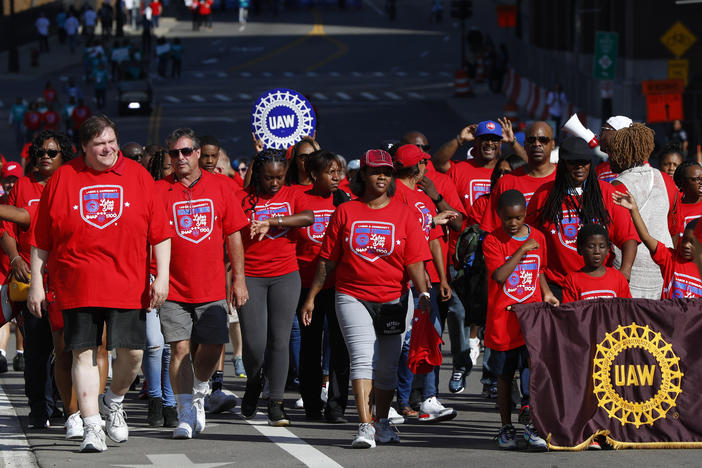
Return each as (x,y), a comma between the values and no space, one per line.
(604,172)
(49,95)
(372,249)
(32,120)
(470,179)
(477,212)
(51,120)
(345,186)
(685,213)
(25,194)
(275,254)
(238,180)
(79,115)
(155,8)
(206,7)
(202,216)
(502,331)
(5,267)
(424,211)
(681,278)
(517,180)
(580,286)
(97,227)
(309,239)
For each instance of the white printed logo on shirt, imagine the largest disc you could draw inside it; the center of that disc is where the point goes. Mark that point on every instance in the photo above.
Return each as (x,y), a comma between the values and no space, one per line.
(371,240)
(425,218)
(478,188)
(597,294)
(524,280)
(101,205)
(685,286)
(271,210)
(194,219)
(315,232)
(568,232)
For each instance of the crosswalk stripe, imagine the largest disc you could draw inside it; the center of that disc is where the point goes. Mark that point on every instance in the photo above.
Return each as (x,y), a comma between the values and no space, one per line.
(197,97)
(369,96)
(171,98)
(392,95)
(244,96)
(319,96)
(222,97)
(415,95)
(343,96)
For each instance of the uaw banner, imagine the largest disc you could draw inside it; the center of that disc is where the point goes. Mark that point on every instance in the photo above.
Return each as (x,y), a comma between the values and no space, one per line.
(626,369)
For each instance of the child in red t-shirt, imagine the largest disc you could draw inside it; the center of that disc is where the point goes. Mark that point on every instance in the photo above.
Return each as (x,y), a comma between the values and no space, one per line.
(681,278)
(515,257)
(594,280)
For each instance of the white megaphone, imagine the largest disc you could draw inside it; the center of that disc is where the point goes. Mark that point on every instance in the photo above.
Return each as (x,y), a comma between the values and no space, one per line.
(574,126)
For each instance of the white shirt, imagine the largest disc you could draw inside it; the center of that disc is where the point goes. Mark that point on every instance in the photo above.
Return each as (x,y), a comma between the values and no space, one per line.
(71,26)
(42,25)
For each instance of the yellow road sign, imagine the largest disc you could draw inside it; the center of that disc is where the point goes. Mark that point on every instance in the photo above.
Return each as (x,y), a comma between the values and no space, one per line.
(677,69)
(678,39)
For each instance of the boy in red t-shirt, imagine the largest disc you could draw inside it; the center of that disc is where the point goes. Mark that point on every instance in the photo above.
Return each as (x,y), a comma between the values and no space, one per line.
(681,277)
(594,280)
(515,257)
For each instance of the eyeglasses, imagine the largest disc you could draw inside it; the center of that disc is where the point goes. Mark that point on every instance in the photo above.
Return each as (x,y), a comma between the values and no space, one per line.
(243,169)
(187,151)
(51,153)
(424,148)
(544,140)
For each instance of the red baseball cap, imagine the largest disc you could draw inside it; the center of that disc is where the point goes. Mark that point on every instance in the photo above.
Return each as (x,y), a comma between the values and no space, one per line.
(377,158)
(410,155)
(12,169)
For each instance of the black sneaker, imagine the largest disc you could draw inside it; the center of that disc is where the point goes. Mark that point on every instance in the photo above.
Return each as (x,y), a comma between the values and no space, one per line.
(3,364)
(276,414)
(458,380)
(154,417)
(18,362)
(170,416)
(250,400)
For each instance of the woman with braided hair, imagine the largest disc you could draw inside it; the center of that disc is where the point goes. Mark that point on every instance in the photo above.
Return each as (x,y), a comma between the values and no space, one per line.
(656,196)
(272,278)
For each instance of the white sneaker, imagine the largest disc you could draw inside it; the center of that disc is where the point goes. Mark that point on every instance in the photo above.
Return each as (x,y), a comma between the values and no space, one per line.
(199,410)
(299,404)
(219,402)
(325,393)
(474,350)
(186,424)
(115,421)
(93,439)
(432,411)
(365,437)
(74,426)
(384,433)
(394,417)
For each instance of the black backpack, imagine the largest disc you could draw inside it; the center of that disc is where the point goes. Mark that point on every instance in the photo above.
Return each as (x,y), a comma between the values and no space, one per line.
(470,282)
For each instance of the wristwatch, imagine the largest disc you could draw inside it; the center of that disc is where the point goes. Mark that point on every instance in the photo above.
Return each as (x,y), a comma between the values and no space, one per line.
(438,200)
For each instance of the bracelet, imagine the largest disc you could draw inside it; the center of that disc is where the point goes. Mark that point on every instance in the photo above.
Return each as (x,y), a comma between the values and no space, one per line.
(425,294)
(13,260)
(280,221)
(458,140)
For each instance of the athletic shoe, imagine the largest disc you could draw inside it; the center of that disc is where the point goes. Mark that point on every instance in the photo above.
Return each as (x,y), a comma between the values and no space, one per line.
(276,414)
(93,439)
(250,400)
(507,437)
(458,380)
(219,402)
(324,396)
(385,433)
(154,416)
(535,441)
(493,392)
(474,350)
(594,445)
(170,416)
(394,417)
(365,437)
(39,422)
(408,412)
(74,426)
(186,423)
(524,415)
(432,411)
(299,403)
(239,370)
(333,417)
(143,393)
(486,391)
(18,362)
(199,409)
(116,421)
(3,364)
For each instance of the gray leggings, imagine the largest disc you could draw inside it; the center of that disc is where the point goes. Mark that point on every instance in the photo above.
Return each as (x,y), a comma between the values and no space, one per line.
(372,357)
(266,320)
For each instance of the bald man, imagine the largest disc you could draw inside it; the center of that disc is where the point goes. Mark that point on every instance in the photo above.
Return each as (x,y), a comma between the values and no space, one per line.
(538,143)
(133,151)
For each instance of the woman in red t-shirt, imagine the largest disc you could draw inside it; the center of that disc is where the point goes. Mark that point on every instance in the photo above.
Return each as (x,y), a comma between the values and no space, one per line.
(272,279)
(378,246)
(297,176)
(322,198)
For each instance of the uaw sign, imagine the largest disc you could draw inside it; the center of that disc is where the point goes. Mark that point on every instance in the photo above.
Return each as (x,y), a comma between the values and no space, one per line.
(282,117)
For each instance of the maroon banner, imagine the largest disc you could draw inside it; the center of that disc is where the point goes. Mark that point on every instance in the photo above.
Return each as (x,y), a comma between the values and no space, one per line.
(626,369)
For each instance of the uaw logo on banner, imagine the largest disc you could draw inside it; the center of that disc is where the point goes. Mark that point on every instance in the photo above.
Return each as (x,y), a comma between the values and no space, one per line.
(101,205)
(315,232)
(371,240)
(194,219)
(425,218)
(524,280)
(685,286)
(568,231)
(262,213)
(281,117)
(636,375)
(478,188)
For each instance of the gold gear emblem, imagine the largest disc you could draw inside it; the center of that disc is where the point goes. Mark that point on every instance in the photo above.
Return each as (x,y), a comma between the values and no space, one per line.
(630,412)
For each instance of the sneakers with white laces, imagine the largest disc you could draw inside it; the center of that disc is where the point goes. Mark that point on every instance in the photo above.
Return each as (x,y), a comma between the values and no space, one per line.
(199,410)
(93,439)
(115,421)
(432,411)
(186,423)
(74,426)
(535,441)
(365,437)
(458,380)
(507,437)
(394,417)
(474,344)
(385,433)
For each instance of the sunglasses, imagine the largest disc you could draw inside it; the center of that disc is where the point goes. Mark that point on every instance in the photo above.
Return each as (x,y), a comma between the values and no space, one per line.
(424,148)
(187,151)
(242,169)
(544,140)
(51,153)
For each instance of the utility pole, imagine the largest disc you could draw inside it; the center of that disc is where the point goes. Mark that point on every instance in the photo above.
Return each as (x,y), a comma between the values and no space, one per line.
(462,10)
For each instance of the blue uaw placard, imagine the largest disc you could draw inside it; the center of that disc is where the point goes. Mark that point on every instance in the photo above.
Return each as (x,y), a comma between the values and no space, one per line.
(281,117)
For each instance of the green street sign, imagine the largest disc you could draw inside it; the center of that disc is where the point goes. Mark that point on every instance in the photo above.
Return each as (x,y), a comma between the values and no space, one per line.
(605,57)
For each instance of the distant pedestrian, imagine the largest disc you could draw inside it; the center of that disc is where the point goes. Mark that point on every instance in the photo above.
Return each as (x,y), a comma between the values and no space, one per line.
(71,27)
(206,13)
(156,10)
(89,22)
(195,11)
(17,120)
(146,32)
(163,52)
(42,24)
(32,122)
(50,118)
(72,90)
(176,57)
(100,77)
(243,13)
(679,136)
(60,25)
(556,102)
(106,18)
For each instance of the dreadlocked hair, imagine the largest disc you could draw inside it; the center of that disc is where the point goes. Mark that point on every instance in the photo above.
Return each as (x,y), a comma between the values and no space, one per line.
(631,146)
(156,162)
(681,171)
(266,156)
(589,206)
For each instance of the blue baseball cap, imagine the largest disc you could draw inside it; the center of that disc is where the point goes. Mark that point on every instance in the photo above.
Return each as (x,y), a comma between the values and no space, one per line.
(488,127)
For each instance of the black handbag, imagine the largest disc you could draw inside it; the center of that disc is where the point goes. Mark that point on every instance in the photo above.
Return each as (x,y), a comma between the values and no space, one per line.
(388,318)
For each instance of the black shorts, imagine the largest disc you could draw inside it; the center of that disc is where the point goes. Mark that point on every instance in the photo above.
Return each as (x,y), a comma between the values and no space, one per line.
(505,363)
(126,328)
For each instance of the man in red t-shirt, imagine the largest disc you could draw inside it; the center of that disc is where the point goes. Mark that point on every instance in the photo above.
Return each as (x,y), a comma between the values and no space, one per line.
(79,115)
(97,216)
(206,13)
(201,207)
(51,118)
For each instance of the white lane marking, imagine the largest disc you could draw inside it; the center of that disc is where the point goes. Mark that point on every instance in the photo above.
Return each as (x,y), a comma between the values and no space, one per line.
(222,97)
(343,96)
(295,446)
(415,95)
(392,95)
(319,96)
(171,98)
(169,460)
(245,74)
(369,96)
(374,7)
(197,98)
(244,96)
(209,61)
(222,74)
(15,447)
(199,75)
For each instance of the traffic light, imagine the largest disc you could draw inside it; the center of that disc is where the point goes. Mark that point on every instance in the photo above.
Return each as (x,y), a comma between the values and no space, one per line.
(461,9)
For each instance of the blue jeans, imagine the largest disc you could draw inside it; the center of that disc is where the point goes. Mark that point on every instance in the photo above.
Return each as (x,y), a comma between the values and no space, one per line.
(157,359)
(459,331)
